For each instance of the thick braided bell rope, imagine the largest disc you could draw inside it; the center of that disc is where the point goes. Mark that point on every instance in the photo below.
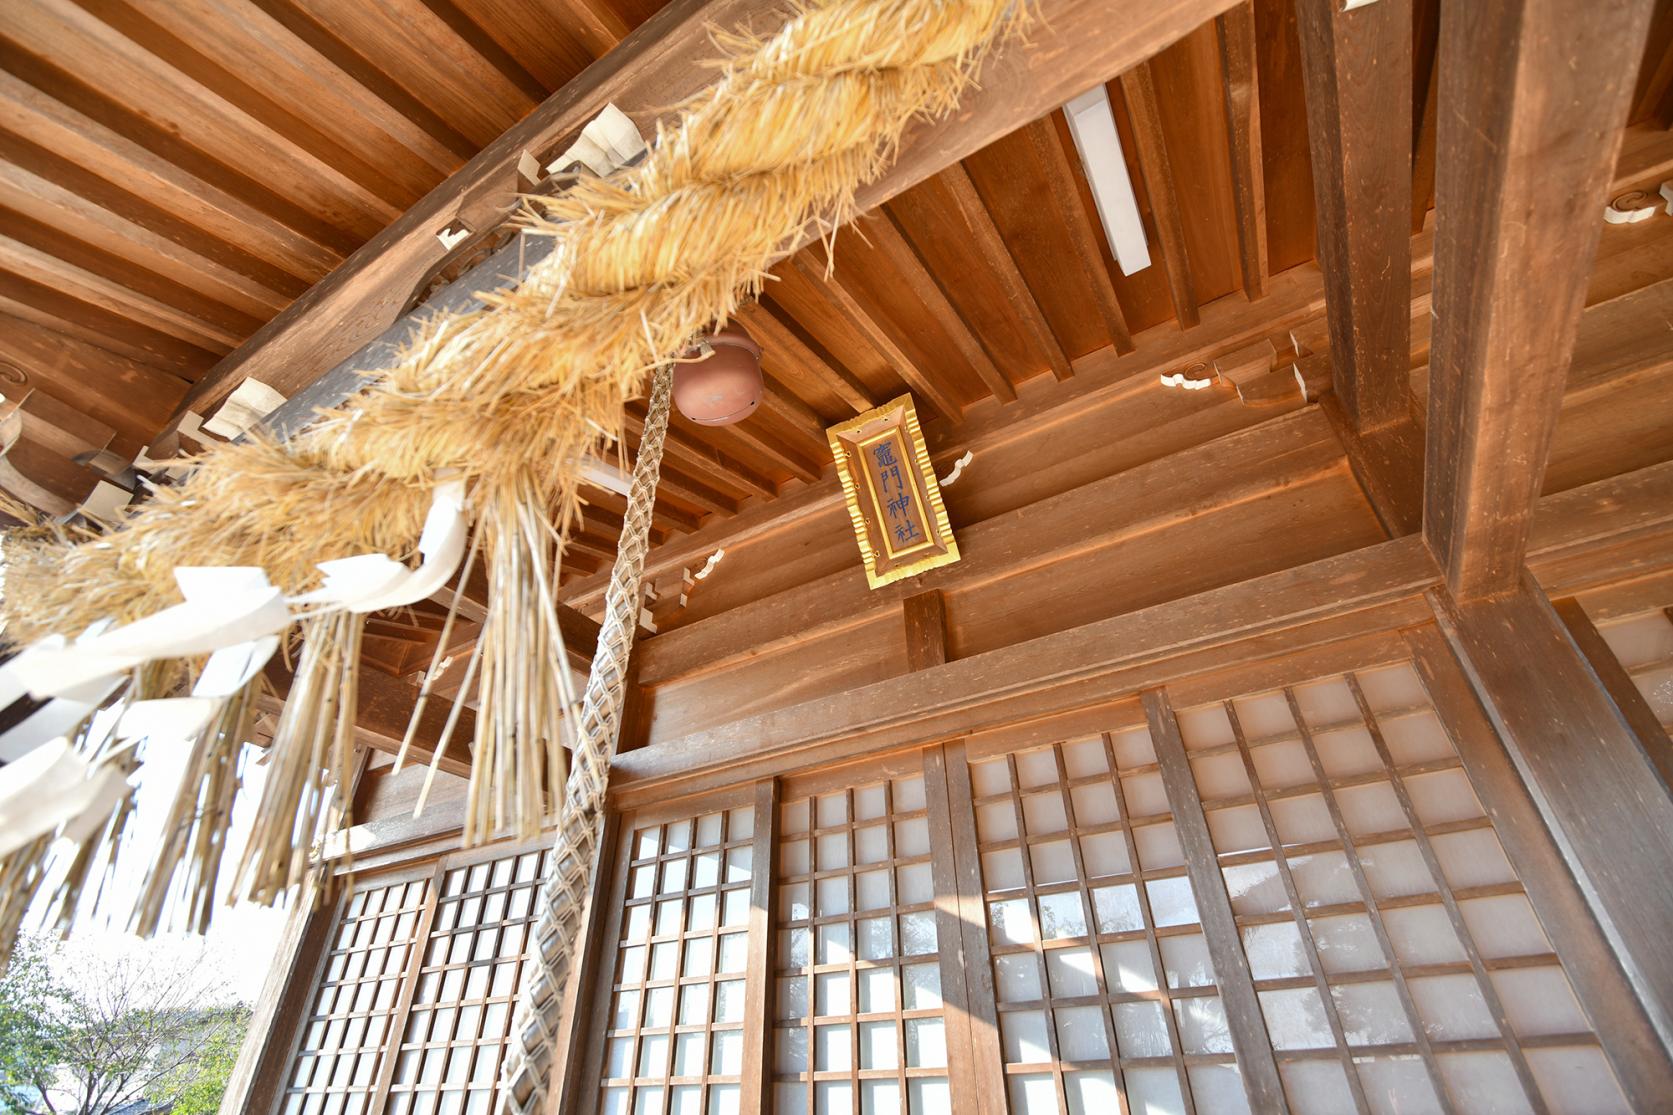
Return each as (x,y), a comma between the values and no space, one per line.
(573,862)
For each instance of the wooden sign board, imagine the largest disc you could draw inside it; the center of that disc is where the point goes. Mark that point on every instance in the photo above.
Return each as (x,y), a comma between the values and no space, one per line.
(893,497)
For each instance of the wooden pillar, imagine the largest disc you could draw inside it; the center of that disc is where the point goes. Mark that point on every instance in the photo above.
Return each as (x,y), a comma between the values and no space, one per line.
(1587,768)
(264,1061)
(1358,71)
(1533,97)
(926,630)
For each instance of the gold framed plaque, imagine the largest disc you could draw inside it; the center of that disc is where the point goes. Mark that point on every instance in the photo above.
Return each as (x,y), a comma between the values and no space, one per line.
(893,497)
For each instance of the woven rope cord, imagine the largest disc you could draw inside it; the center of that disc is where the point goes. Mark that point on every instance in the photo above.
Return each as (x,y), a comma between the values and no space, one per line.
(574,860)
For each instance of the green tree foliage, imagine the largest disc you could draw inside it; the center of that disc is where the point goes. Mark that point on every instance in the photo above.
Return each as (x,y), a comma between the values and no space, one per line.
(31,1008)
(150,1026)
(196,1086)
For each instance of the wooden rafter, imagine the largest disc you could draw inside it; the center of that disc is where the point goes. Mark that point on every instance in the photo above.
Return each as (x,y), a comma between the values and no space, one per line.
(1138,87)
(1071,47)
(990,245)
(892,240)
(1054,162)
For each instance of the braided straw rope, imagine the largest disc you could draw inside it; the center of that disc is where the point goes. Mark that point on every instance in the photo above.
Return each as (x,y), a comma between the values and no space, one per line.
(512,399)
(573,863)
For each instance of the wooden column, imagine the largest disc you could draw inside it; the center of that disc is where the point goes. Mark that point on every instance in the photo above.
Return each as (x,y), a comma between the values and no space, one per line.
(264,1061)
(1586,767)
(1358,71)
(583,1024)
(1629,1037)
(1533,97)
(926,630)
(756,1090)
(1219,924)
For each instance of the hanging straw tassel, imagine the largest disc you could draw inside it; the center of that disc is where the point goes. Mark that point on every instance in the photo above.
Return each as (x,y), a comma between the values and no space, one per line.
(574,858)
(195,834)
(313,759)
(524,684)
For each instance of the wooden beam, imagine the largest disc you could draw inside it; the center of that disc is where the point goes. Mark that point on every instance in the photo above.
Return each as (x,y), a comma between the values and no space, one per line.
(1371,590)
(1645,726)
(385,709)
(1138,87)
(1235,34)
(985,238)
(1533,97)
(1588,769)
(1070,47)
(925,614)
(1219,924)
(1052,160)
(812,266)
(892,240)
(1358,71)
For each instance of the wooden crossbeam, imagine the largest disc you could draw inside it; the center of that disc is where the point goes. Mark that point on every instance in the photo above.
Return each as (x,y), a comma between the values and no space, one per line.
(1534,94)
(1374,589)
(1358,71)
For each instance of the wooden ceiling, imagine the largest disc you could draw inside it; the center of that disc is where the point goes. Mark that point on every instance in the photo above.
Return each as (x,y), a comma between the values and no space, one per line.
(173,174)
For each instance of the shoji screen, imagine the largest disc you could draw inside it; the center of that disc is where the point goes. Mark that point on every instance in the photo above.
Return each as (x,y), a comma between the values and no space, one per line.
(459,1018)
(336,1067)
(1398,962)
(673,1037)
(414,1002)
(1101,975)
(858,1003)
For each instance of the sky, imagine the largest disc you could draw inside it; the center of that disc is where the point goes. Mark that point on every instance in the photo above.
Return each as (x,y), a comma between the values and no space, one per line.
(241,940)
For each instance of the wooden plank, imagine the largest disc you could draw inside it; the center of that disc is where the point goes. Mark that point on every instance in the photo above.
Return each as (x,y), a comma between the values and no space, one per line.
(925,614)
(1358,71)
(1588,771)
(1628,1036)
(1070,47)
(1235,32)
(1534,97)
(812,266)
(887,234)
(1138,86)
(990,245)
(1219,924)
